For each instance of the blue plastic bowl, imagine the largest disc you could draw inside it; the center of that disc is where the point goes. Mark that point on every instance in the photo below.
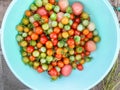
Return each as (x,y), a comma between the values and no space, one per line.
(105,19)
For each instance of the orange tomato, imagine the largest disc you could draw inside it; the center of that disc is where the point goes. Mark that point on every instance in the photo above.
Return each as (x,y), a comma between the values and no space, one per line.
(38,30)
(74,25)
(57,30)
(50,67)
(60,35)
(39,45)
(71,32)
(66,61)
(90,35)
(71,46)
(82,61)
(30,32)
(49,52)
(59,50)
(60,64)
(34,36)
(65,20)
(72,16)
(45,18)
(28,13)
(58,56)
(52,1)
(32,58)
(86,31)
(49,44)
(65,35)
(54,63)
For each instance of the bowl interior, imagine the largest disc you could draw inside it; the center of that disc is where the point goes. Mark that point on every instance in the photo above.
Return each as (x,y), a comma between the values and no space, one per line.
(93,72)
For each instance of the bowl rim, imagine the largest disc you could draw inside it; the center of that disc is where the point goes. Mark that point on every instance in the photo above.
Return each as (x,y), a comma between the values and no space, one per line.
(102,77)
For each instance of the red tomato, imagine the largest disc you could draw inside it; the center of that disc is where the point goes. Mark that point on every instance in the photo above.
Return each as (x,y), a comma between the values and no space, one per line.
(43,39)
(42,11)
(54,63)
(38,30)
(57,30)
(90,46)
(77,20)
(87,53)
(32,58)
(66,70)
(80,67)
(53,35)
(45,18)
(39,69)
(77,32)
(58,56)
(83,55)
(70,41)
(60,64)
(36,24)
(28,38)
(30,49)
(53,72)
(90,35)
(55,41)
(74,26)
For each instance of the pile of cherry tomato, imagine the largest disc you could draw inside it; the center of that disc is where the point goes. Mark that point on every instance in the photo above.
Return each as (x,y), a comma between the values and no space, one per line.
(56,37)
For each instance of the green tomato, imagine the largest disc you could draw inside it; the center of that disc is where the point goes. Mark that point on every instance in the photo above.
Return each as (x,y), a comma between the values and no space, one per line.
(33,43)
(33,7)
(95,32)
(48,6)
(79,49)
(36,64)
(54,23)
(24,34)
(36,53)
(43,49)
(77,38)
(85,15)
(49,58)
(67,27)
(36,17)
(61,43)
(25,21)
(96,39)
(56,9)
(88,59)
(60,25)
(45,26)
(72,58)
(25,60)
(19,38)
(69,10)
(23,43)
(44,2)
(43,55)
(78,57)
(53,17)
(71,51)
(30,64)
(80,27)
(58,68)
(67,15)
(38,3)
(50,30)
(70,22)
(43,60)
(24,53)
(44,66)
(85,22)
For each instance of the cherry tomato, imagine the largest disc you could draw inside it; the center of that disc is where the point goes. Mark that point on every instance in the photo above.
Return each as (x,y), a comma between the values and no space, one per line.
(39,45)
(34,36)
(49,44)
(38,30)
(36,24)
(74,26)
(77,32)
(87,53)
(43,39)
(54,63)
(66,61)
(77,20)
(39,69)
(70,41)
(80,67)
(51,12)
(53,72)
(71,32)
(52,1)
(90,35)
(53,35)
(57,30)
(83,55)
(30,49)
(49,52)
(45,18)
(28,38)
(55,42)
(58,56)
(32,58)
(72,16)
(60,64)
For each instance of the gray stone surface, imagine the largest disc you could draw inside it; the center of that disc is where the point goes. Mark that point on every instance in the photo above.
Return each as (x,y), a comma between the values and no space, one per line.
(7,80)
